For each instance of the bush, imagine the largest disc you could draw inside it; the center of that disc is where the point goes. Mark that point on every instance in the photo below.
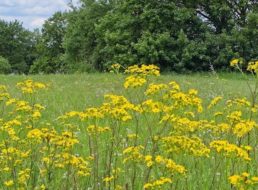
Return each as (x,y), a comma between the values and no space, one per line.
(5,67)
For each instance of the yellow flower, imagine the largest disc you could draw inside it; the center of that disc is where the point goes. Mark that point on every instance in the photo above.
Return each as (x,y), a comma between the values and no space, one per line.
(235,61)
(234,180)
(9,183)
(134,81)
(35,133)
(253,66)
(108,179)
(214,101)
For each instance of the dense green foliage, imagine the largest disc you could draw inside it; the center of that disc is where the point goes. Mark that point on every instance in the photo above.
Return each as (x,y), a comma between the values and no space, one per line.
(50,47)
(5,67)
(17,45)
(181,36)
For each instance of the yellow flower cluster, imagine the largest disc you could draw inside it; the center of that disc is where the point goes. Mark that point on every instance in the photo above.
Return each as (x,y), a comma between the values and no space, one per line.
(139,74)
(116,66)
(143,70)
(178,144)
(244,181)
(253,66)
(223,146)
(155,88)
(214,102)
(158,183)
(29,86)
(134,81)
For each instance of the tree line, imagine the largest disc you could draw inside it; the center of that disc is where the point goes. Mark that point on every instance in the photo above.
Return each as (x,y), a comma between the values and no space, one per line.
(177,35)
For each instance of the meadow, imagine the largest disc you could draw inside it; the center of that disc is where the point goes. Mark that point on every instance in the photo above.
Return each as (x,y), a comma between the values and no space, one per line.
(136,130)
(78,91)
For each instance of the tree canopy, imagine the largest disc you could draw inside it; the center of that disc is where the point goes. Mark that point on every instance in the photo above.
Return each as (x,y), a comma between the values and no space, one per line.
(177,35)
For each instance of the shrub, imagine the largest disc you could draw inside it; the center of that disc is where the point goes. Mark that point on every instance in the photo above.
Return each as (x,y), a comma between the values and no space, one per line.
(5,67)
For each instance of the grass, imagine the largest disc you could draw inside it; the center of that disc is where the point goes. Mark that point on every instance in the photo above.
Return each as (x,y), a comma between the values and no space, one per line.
(75,92)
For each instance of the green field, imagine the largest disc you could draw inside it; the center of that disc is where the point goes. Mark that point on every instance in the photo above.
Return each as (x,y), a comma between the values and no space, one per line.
(76,92)
(109,149)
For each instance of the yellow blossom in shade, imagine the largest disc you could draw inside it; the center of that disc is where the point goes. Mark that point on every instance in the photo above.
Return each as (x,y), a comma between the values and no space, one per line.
(116,66)
(9,183)
(253,66)
(235,61)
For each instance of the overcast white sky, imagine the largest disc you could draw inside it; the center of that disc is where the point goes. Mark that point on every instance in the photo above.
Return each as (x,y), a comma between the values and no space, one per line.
(32,13)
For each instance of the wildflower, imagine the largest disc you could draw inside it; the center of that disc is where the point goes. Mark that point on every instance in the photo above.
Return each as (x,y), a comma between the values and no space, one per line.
(148,160)
(243,181)
(155,88)
(229,149)
(158,183)
(182,143)
(143,70)
(253,66)
(30,87)
(214,101)
(9,183)
(235,61)
(244,127)
(134,81)
(34,133)
(108,179)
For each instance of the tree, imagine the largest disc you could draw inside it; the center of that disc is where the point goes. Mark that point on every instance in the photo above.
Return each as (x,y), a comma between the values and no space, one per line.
(148,31)
(16,44)
(80,42)
(50,46)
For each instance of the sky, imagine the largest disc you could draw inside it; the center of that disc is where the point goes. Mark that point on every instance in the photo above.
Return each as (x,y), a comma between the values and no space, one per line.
(32,13)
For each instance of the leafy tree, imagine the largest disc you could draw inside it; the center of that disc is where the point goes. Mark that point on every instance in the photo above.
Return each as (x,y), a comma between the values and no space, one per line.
(149,31)
(17,45)
(50,46)
(81,41)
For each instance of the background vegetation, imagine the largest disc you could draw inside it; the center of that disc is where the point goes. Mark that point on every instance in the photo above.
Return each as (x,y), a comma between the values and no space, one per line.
(176,35)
